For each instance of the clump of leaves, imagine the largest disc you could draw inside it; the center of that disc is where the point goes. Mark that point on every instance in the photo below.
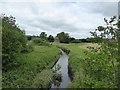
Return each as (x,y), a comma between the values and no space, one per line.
(13,39)
(27,48)
(107,37)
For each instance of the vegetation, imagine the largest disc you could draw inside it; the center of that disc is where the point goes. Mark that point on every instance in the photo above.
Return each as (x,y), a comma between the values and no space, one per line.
(27,60)
(28,66)
(88,69)
(13,40)
(63,37)
(43,79)
(24,60)
(43,35)
(39,41)
(51,38)
(96,67)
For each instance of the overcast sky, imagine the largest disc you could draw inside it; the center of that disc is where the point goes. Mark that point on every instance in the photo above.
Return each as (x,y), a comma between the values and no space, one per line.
(54,16)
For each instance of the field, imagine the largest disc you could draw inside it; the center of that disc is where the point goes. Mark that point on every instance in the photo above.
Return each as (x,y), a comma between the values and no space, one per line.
(88,68)
(32,69)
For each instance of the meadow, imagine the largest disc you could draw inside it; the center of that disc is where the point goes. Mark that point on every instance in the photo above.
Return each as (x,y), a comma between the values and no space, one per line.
(88,68)
(32,69)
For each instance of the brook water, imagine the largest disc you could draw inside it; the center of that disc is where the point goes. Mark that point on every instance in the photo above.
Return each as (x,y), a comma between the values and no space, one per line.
(63,62)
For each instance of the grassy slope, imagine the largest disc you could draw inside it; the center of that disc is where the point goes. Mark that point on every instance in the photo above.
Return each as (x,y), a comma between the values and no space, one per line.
(78,62)
(77,54)
(28,66)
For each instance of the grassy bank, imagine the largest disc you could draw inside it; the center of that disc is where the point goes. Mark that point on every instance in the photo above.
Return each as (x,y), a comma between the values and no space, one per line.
(89,69)
(30,66)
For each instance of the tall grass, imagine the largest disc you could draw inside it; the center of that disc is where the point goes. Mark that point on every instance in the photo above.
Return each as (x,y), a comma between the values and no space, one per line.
(27,66)
(90,69)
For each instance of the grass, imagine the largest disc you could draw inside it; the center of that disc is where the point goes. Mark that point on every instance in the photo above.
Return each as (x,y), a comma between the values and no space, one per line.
(34,69)
(77,54)
(43,79)
(28,66)
(84,70)
(76,62)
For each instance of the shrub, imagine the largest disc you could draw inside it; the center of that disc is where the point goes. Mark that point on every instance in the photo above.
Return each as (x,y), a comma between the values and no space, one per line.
(13,39)
(27,48)
(40,42)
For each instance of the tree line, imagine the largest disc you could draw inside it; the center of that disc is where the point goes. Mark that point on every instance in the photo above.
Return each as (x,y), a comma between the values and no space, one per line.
(62,37)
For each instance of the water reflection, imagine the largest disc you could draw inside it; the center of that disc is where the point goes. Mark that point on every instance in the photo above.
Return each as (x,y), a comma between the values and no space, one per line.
(63,62)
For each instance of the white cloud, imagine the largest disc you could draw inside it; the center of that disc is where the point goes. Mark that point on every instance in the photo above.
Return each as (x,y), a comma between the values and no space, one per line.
(78,19)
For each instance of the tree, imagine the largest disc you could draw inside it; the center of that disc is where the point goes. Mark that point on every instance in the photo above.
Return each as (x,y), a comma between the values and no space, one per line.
(51,38)
(108,39)
(43,35)
(63,37)
(71,39)
(13,39)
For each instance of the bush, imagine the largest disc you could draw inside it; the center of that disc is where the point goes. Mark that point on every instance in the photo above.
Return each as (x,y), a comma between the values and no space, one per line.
(40,42)
(27,48)
(63,37)
(13,39)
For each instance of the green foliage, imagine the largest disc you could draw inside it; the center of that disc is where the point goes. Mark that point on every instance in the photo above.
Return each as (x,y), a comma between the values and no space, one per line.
(43,35)
(63,37)
(51,38)
(90,69)
(28,48)
(40,42)
(13,39)
(29,37)
(109,48)
(98,68)
(73,40)
(28,66)
(43,79)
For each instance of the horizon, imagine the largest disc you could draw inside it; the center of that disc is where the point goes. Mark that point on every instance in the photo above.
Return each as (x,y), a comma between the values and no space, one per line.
(75,18)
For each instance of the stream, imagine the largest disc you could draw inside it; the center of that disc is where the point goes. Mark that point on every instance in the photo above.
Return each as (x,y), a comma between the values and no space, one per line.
(63,62)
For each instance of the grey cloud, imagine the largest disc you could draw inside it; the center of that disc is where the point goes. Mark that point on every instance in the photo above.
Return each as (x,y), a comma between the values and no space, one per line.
(30,17)
(106,8)
(50,25)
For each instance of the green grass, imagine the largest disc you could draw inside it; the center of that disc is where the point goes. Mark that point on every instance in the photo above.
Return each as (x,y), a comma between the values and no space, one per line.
(28,66)
(43,79)
(76,62)
(77,54)
(85,70)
